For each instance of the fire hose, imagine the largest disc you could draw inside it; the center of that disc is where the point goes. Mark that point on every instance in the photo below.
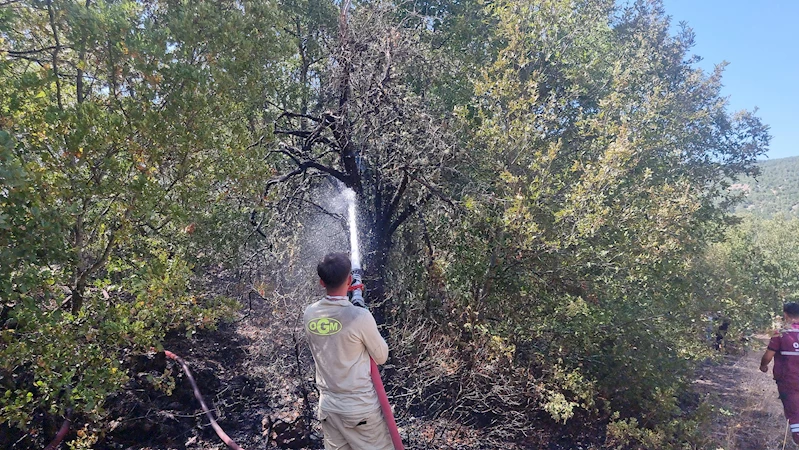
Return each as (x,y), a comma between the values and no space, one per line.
(357,288)
(62,432)
(386,407)
(219,432)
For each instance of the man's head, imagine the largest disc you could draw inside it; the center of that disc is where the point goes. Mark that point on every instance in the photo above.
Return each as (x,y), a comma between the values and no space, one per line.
(334,270)
(791,311)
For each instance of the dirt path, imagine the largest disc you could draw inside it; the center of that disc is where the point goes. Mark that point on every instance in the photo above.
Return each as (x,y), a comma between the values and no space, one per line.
(750,414)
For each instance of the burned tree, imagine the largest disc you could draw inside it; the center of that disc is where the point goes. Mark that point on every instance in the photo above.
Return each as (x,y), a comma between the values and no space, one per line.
(376,127)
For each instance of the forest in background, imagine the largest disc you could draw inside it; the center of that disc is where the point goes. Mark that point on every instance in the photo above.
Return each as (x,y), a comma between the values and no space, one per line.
(774,191)
(544,188)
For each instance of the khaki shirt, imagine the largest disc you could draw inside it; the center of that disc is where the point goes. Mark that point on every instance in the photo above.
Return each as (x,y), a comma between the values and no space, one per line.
(342,337)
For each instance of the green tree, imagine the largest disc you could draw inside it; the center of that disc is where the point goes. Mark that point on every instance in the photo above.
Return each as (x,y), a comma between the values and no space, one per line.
(604,159)
(752,272)
(126,161)
(774,191)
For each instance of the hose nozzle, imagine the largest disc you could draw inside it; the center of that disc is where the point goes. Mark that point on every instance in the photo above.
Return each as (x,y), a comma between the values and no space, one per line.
(357,288)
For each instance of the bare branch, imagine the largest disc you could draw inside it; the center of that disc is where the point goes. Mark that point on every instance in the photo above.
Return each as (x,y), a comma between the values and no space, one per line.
(298,115)
(257,143)
(322,168)
(16,53)
(392,206)
(287,150)
(303,168)
(28,58)
(426,236)
(311,137)
(56,49)
(437,192)
(257,225)
(81,59)
(403,216)
(322,210)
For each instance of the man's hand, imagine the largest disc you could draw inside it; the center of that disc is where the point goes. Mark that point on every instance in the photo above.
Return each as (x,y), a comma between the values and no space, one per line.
(357,289)
(766,359)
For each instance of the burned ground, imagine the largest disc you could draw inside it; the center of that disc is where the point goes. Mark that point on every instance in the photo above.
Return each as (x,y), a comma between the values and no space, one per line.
(256,374)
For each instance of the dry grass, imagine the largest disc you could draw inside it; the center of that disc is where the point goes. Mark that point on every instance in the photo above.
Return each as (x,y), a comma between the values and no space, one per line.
(749,413)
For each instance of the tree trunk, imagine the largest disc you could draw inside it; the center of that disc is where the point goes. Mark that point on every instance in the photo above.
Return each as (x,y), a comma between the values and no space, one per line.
(76,303)
(376,271)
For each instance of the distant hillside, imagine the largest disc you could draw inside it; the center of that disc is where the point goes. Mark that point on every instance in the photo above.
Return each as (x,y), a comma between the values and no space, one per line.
(775,190)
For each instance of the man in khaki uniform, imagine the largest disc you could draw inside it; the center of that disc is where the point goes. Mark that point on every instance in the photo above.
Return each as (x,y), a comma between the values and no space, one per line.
(342,338)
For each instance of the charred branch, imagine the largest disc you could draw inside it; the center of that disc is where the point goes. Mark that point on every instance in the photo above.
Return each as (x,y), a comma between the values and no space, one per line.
(301,169)
(294,115)
(256,224)
(56,49)
(398,194)
(406,213)
(310,137)
(19,53)
(433,190)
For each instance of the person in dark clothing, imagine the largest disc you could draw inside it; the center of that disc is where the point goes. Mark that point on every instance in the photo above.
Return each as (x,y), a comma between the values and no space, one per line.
(721,333)
(783,348)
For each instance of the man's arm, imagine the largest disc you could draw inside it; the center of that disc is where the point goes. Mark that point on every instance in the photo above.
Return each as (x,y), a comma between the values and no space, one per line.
(374,342)
(766,359)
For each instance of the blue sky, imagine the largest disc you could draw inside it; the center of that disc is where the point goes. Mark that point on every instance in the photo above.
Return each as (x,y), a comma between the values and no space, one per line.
(760,41)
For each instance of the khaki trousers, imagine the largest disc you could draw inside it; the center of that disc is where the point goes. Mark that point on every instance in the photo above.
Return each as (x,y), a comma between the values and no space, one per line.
(366,431)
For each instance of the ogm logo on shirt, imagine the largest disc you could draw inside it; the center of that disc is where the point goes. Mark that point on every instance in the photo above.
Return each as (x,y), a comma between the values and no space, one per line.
(324,326)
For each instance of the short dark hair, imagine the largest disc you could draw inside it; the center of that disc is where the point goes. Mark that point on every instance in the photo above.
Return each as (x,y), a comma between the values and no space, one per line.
(791,309)
(333,269)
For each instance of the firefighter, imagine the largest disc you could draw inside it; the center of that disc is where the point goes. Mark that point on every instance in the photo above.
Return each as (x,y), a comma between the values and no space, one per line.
(342,338)
(783,348)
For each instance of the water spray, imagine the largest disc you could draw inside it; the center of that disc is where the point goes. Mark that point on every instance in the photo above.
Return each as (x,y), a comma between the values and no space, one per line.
(355,254)
(357,289)
(352,216)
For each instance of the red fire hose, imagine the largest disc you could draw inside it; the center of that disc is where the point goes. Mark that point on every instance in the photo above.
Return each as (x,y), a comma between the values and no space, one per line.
(387,414)
(60,435)
(379,388)
(219,432)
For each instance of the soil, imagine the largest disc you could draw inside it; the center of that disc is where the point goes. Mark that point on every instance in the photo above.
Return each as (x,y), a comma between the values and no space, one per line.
(255,408)
(748,412)
(268,408)
(147,418)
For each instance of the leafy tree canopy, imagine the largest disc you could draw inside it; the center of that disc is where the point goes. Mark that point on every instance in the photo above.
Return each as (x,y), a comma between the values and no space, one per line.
(544,185)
